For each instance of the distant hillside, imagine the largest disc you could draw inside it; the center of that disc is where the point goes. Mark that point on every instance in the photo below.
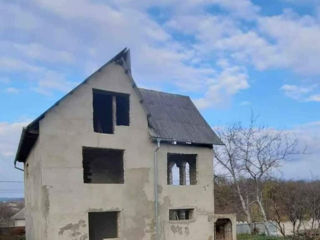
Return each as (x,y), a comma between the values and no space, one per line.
(11,199)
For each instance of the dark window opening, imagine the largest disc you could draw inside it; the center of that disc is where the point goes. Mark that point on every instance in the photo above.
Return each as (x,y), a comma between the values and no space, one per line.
(102,165)
(102,113)
(180,214)
(103,225)
(181,169)
(122,105)
(109,109)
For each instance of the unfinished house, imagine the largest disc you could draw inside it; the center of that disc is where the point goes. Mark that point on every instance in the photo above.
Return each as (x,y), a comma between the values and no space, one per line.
(114,161)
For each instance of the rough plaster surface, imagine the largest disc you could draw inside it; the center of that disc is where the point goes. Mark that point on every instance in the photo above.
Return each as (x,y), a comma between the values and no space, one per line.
(57,200)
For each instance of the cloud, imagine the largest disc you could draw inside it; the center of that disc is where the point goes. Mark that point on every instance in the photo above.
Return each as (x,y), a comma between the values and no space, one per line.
(301,93)
(88,34)
(8,64)
(250,48)
(53,81)
(12,90)
(5,80)
(304,166)
(302,2)
(180,50)
(242,8)
(245,103)
(228,82)
(35,51)
(295,92)
(9,138)
(46,81)
(184,75)
(294,38)
(39,52)
(283,41)
(17,16)
(206,29)
(314,98)
(118,24)
(152,47)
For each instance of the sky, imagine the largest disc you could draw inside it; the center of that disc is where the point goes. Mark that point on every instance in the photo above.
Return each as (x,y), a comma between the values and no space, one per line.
(231,57)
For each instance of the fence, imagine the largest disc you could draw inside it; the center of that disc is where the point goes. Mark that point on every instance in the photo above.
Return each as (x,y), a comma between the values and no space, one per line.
(259,227)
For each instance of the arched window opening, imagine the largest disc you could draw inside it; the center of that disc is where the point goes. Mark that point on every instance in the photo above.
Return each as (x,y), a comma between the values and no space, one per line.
(175,175)
(181,169)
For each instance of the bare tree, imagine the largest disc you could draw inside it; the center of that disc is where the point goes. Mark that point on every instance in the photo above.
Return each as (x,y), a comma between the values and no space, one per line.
(253,152)
(226,199)
(228,156)
(277,209)
(290,200)
(261,151)
(312,200)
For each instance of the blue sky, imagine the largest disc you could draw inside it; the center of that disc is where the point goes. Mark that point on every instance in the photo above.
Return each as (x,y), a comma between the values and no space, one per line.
(231,57)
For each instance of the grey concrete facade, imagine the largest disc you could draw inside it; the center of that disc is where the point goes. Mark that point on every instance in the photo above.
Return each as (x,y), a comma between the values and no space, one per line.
(58,201)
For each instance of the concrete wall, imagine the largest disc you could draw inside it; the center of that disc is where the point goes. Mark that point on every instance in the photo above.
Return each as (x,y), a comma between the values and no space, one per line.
(34,208)
(57,200)
(199,196)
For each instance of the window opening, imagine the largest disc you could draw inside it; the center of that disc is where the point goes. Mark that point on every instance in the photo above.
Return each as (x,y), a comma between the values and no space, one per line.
(102,165)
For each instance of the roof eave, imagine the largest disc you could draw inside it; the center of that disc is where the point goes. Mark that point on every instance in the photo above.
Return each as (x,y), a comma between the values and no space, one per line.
(26,143)
(185,143)
(22,139)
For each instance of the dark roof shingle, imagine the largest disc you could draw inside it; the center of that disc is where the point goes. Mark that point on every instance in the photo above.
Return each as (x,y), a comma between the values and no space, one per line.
(175,117)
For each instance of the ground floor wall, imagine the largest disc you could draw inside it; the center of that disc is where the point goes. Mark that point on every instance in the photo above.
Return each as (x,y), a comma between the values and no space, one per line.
(135,219)
(201,228)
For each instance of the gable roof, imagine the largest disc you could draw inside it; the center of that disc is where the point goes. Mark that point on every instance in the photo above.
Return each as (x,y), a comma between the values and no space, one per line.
(19,215)
(175,117)
(171,117)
